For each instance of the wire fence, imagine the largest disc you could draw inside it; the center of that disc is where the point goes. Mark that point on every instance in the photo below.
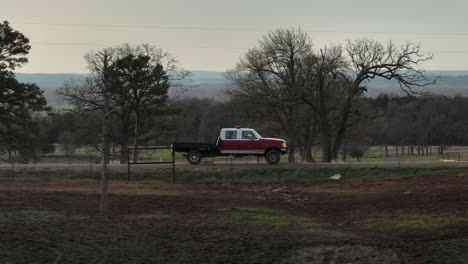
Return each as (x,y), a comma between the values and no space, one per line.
(152,156)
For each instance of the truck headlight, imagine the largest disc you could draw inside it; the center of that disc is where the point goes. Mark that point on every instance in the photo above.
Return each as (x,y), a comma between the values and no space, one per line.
(284,145)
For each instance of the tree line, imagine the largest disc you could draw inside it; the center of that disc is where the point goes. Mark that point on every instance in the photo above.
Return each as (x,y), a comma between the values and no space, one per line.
(417,125)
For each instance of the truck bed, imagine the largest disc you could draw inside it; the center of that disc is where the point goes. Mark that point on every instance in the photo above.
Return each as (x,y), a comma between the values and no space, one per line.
(188,146)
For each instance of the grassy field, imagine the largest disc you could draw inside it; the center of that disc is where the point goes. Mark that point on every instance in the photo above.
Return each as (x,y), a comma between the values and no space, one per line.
(235,175)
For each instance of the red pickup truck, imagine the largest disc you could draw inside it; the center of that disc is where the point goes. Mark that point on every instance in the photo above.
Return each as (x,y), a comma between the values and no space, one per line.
(237,142)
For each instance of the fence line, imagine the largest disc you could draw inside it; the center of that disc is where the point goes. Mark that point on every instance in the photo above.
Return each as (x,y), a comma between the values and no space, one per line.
(130,162)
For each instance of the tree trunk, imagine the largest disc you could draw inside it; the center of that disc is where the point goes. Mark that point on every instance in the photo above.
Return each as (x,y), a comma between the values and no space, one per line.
(292,144)
(293,132)
(326,137)
(308,153)
(124,145)
(105,158)
(124,151)
(307,147)
(342,126)
(292,155)
(135,139)
(106,109)
(326,145)
(441,149)
(124,141)
(386,151)
(302,153)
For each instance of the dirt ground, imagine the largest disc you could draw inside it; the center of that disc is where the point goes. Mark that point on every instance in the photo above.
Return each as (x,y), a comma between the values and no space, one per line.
(409,220)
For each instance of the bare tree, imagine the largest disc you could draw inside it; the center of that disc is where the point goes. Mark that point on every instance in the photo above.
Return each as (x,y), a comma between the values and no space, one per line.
(371,59)
(269,76)
(336,83)
(283,73)
(324,83)
(94,94)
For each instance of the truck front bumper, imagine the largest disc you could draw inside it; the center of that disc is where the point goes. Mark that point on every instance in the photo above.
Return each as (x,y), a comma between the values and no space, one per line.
(284,151)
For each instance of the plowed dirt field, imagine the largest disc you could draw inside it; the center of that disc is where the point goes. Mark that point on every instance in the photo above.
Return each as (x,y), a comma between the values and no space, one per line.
(407,220)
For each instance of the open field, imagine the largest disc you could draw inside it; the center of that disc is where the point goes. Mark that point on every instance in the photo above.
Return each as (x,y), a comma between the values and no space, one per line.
(370,216)
(236,173)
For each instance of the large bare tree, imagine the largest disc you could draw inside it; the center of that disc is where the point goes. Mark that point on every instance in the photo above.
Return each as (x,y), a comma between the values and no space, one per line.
(335,81)
(284,72)
(369,59)
(269,75)
(324,83)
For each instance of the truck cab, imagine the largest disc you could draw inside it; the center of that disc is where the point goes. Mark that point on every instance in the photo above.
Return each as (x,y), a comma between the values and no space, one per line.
(247,141)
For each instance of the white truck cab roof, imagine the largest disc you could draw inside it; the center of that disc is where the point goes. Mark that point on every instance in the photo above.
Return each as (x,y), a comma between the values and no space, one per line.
(238,133)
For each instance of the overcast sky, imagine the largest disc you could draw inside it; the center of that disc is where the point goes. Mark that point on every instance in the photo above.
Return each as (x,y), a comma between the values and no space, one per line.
(213,34)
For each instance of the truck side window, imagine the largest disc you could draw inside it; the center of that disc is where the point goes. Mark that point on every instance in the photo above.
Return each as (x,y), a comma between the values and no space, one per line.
(231,134)
(248,135)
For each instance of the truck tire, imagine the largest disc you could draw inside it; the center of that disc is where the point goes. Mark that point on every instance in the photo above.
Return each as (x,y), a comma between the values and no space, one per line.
(272,157)
(194,157)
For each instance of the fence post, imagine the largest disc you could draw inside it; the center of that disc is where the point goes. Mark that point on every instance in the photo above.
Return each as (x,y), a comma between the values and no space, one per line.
(128,165)
(398,161)
(91,166)
(173,164)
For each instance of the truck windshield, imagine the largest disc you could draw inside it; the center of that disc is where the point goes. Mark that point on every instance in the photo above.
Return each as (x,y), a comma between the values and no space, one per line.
(256,134)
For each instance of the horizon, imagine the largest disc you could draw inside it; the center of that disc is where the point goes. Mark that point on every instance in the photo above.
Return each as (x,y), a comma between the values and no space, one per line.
(213,71)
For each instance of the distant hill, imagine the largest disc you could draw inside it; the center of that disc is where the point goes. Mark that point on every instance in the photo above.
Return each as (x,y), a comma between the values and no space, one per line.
(446,85)
(49,83)
(208,84)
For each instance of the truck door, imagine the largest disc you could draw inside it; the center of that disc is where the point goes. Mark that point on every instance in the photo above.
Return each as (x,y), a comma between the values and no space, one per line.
(250,143)
(230,141)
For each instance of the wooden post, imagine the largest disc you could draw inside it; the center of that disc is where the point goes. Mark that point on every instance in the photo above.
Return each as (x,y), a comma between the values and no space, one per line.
(128,165)
(173,165)
(90,166)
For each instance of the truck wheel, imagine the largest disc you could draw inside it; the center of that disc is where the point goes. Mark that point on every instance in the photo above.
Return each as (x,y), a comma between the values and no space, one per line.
(194,157)
(272,157)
